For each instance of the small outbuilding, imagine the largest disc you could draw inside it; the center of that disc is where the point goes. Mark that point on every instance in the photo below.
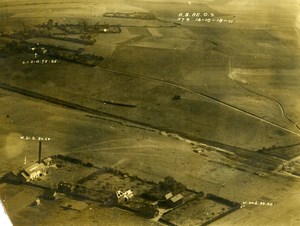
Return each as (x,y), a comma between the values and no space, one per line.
(169,195)
(175,200)
(50,194)
(48,161)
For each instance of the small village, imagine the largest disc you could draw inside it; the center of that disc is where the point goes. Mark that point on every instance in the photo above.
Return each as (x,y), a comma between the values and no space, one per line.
(51,41)
(168,202)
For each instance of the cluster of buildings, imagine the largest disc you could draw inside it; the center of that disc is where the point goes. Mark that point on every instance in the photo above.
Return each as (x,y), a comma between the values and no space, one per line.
(171,201)
(124,196)
(30,172)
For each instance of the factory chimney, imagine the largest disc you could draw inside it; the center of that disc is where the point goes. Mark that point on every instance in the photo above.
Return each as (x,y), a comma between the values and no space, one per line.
(40,152)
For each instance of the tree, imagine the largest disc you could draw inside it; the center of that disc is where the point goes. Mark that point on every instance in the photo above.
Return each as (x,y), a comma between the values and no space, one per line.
(83,24)
(49,24)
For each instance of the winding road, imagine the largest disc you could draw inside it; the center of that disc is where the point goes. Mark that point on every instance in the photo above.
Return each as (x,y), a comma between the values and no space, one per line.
(213,99)
(283,112)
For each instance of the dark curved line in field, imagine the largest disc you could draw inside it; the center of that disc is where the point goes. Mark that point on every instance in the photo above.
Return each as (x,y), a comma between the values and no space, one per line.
(200,94)
(279,147)
(82,108)
(266,97)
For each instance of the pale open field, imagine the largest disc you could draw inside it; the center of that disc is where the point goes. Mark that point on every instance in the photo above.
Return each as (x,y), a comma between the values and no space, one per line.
(238,88)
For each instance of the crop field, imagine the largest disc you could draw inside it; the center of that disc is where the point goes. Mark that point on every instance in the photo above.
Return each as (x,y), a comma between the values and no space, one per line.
(196,212)
(212,104)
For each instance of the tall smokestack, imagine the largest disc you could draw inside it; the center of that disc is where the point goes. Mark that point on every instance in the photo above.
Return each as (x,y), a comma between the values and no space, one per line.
(40,152)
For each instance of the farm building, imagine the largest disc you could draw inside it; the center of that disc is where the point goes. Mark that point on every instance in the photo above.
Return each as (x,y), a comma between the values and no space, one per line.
(33,172)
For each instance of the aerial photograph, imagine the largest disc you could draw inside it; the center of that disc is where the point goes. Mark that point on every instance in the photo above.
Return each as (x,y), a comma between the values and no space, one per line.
(150,112)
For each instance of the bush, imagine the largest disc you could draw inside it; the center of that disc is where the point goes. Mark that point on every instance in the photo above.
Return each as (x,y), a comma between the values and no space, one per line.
(171,185)
(159,191)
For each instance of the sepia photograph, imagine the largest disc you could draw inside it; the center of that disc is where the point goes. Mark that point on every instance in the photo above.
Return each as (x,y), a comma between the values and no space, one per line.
(150,112)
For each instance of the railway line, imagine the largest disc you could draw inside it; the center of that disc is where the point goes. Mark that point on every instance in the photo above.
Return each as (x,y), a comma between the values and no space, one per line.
(112,117)
(213,99)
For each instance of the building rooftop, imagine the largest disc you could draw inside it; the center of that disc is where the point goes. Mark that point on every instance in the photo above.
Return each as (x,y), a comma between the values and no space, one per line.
(176,198)
(34,167)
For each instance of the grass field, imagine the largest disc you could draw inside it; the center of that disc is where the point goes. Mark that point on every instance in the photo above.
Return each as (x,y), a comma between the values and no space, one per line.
(220,83)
